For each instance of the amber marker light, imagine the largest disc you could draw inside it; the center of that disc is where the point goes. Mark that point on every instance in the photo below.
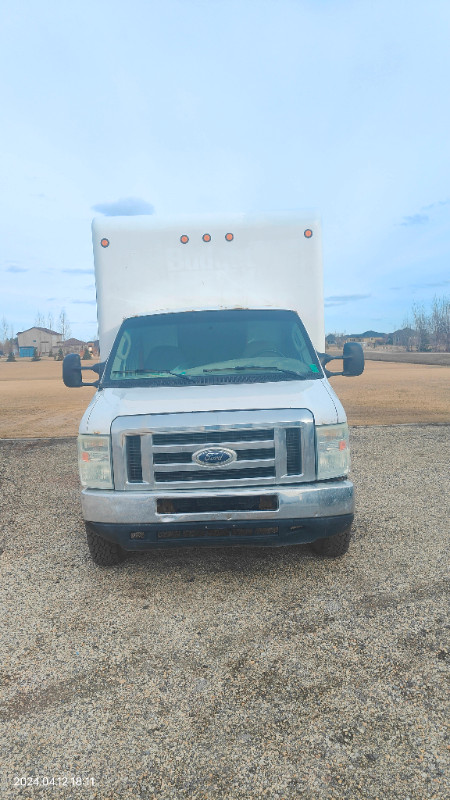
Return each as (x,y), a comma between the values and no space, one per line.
(229,237)
(104,242)
(206,237)
(184,239)
(308,233)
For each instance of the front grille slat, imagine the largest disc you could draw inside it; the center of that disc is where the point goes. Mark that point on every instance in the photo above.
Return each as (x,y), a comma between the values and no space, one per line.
(293,452)
(242,455)
(206,438)
(258,444)
(206,475)
(134,459)
(235,466)
(256,455)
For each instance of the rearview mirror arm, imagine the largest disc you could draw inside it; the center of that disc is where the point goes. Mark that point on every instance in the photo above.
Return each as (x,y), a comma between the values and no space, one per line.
(95,383)
(324,358)
(98,368)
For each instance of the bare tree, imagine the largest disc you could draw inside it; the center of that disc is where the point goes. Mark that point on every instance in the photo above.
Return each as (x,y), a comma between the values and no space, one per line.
(433,328)
(12,339)
(421,324)
(39,320)
(406,336)
(447,324)
(64,325)
(4,327)
(50,321)
(406,323)
(440,323)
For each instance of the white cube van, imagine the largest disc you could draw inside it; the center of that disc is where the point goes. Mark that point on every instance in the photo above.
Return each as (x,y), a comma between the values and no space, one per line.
(213,422)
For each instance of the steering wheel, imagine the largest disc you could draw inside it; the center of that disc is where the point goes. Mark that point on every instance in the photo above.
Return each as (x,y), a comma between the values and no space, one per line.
(270,352)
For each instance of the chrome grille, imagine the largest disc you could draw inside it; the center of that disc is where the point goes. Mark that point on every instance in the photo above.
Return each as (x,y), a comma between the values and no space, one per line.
(172,455)
(272,447)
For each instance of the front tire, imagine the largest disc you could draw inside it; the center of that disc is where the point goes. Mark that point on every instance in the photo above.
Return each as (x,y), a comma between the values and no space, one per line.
(333,546)
(104,553)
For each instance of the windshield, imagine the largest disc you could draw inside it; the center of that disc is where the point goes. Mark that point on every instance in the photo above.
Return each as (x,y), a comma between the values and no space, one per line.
(198,347)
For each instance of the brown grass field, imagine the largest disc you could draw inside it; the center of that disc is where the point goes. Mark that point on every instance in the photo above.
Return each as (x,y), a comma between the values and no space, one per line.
(35,403)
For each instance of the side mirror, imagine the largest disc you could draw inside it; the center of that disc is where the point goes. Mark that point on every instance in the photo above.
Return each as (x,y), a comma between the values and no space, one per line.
(353,358)
(72,371)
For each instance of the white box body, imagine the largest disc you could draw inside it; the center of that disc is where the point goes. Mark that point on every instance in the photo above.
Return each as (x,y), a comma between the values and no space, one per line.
(146,269)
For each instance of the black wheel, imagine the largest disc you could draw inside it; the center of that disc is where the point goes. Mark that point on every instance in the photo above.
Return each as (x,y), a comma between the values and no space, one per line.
(333,546)
(104,553)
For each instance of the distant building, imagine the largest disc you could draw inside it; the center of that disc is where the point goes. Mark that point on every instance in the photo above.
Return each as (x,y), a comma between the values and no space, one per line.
(43,339)
(366,341)
(73,346)
(93,348)
(368,338)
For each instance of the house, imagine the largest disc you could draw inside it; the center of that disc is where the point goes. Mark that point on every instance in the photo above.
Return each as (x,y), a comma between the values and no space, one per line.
(73,346)
(43,339)
(93,347)
(369,339)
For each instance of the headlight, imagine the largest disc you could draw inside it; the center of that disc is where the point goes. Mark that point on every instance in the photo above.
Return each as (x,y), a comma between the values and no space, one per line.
(333,455)
(94,462)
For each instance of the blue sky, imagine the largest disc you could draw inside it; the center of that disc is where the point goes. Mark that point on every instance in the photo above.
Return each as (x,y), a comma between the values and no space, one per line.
(195,106)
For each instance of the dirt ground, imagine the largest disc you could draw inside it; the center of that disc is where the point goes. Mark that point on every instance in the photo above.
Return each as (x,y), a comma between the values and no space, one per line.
(394,393)
(35,403)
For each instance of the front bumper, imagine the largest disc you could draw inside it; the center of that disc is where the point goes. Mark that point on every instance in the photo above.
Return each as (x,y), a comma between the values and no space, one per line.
(305,512)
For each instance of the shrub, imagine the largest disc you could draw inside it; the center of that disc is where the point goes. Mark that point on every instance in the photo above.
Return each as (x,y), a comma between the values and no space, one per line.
(86,355)
(36,356)
(60,356)
(11,356)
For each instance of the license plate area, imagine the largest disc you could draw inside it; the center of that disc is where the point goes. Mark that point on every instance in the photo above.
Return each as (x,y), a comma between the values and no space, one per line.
(211,505)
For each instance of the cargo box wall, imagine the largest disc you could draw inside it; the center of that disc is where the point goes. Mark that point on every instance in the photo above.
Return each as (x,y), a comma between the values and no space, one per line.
(146,265)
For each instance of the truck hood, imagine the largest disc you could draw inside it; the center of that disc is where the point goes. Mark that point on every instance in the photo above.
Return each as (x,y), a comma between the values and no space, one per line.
(317,396)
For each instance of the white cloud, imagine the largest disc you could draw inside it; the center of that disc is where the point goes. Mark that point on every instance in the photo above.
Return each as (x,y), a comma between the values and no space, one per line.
(125,207)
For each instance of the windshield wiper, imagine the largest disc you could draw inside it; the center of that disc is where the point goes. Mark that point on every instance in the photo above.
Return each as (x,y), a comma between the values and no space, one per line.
(264,369)
(159,372)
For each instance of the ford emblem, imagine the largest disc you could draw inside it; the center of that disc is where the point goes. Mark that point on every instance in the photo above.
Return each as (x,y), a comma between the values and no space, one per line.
(214,457)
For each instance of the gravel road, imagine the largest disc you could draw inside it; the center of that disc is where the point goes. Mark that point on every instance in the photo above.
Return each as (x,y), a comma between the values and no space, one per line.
(228,673)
